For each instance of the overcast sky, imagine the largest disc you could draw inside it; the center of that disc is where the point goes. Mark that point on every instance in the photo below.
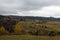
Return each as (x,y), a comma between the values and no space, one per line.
(30,7)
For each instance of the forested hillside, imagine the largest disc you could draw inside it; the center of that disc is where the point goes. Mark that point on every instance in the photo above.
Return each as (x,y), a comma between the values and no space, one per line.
(23,25)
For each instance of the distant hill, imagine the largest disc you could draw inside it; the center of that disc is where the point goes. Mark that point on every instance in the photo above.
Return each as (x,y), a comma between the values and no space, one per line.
(29,17)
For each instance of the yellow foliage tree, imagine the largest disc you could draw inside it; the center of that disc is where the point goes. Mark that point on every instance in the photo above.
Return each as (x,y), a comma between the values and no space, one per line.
(2,30)
(17,28)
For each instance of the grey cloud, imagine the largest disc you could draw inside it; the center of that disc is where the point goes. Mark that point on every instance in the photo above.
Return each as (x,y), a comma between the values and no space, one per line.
(36,4)
(10,6)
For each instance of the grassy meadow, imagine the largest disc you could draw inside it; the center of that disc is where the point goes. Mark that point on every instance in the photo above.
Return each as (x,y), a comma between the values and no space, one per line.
(28,37)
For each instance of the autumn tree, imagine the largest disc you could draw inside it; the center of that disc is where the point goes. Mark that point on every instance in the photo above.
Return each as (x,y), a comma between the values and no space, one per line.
(2,30)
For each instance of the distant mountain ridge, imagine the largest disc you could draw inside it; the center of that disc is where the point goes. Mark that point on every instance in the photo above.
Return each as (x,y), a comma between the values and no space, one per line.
(30,17)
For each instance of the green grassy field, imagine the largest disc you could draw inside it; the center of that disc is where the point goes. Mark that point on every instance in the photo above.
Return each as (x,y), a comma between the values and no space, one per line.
(28,37)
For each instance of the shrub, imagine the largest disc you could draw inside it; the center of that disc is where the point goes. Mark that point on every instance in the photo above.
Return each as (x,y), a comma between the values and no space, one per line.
(51,33)
(58,33)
